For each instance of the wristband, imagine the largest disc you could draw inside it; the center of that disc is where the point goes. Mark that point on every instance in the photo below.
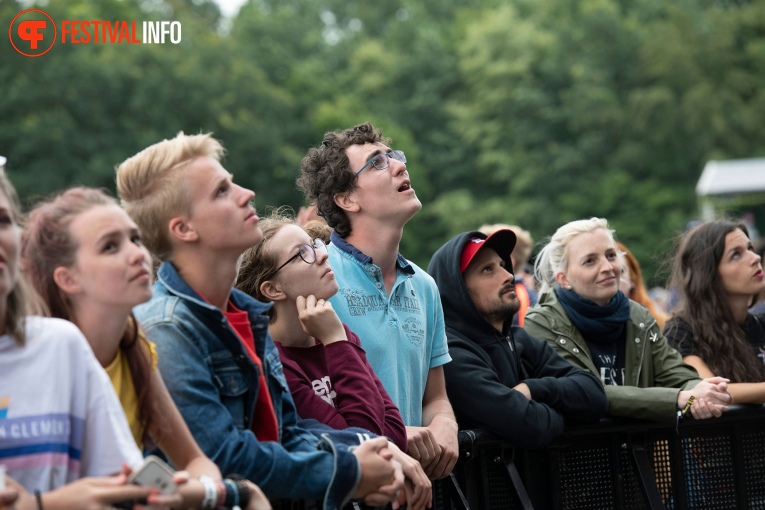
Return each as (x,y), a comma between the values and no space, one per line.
(682,412)
(232,494)
(687,406)
(211,493)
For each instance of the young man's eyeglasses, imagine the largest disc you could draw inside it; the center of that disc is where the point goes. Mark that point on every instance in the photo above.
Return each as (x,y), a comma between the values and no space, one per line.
(306,252)
(381,161)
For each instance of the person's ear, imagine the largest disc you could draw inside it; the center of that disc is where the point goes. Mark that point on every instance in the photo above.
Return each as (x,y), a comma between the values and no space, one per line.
(272,291)
(182,229)
(346,202)
(66,280)
(562,280)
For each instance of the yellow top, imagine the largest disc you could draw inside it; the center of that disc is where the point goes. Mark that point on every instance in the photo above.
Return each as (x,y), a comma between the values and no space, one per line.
(119,373)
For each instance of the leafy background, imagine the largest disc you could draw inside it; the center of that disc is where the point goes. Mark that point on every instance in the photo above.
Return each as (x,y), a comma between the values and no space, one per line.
(516,111)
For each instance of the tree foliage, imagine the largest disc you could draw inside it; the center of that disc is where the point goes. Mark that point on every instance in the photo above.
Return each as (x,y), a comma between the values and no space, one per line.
(534,113)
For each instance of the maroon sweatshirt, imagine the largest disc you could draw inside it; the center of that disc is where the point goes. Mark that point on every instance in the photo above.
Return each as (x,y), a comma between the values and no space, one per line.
(336,386)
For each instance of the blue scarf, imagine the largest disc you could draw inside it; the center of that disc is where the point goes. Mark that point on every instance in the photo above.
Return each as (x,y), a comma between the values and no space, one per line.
(597,324)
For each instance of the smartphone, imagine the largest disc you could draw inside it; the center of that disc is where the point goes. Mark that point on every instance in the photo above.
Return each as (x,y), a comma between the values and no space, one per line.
(154,473)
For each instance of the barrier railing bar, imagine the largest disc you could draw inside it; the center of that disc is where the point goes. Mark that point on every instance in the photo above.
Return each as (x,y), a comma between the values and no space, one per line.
(679,485)
(647,478)
(520,490)
(454,493)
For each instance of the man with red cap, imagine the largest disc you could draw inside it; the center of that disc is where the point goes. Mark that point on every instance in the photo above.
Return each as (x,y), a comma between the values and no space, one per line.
(500,378)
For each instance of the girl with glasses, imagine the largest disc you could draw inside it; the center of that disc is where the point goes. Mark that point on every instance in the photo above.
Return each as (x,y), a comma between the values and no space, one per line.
(327,370)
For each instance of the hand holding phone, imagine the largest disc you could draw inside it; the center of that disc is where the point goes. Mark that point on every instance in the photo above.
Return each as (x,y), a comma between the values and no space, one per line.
(154,473)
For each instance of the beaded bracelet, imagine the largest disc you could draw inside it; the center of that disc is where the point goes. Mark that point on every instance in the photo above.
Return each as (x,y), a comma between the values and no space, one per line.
(244,493)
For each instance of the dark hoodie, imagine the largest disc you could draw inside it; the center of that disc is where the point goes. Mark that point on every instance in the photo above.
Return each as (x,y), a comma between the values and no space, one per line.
(487,364)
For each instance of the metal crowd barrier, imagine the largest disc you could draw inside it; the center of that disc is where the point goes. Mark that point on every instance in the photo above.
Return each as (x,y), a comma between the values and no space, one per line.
(617,464)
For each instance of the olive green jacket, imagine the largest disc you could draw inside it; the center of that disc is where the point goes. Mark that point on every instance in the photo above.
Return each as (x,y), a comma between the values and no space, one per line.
(654,372)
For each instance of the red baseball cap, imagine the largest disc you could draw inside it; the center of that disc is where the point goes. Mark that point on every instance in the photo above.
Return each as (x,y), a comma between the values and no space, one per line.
(502,241)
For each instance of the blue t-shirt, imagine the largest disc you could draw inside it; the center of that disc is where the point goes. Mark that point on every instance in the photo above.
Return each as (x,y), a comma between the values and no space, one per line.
(403,334)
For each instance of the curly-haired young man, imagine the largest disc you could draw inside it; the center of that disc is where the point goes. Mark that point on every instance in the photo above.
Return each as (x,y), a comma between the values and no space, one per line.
(362,188)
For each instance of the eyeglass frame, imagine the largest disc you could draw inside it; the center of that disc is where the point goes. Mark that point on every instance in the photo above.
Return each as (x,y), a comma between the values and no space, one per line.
(322,247)
(391,154)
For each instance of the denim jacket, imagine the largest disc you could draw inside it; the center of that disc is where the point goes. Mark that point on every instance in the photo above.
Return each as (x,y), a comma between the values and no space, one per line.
(215,385)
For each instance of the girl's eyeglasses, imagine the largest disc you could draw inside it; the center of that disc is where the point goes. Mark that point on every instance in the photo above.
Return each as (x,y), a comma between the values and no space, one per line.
(306,252)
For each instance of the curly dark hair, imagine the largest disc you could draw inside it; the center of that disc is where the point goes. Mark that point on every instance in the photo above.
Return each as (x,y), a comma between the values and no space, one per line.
(704,307)
(325,171)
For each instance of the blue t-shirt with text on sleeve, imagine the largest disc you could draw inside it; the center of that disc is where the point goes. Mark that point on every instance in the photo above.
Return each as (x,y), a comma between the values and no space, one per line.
(402,333)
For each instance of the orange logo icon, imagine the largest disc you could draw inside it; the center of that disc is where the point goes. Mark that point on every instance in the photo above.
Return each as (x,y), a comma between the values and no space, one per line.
(29,29)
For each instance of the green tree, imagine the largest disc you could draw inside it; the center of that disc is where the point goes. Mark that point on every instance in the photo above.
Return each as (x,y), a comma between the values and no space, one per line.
(608,109)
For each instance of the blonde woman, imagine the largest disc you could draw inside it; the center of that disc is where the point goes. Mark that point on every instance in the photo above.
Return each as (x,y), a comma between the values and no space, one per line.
(592,324)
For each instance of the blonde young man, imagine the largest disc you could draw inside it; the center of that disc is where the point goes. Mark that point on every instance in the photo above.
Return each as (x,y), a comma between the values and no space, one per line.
(362,188)
(215,355)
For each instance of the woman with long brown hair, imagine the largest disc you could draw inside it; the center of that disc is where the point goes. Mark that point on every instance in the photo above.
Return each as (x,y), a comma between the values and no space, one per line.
(717,275)
(84,255)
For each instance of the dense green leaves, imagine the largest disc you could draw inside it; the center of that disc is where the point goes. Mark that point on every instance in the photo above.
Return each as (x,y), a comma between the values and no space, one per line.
(525,112)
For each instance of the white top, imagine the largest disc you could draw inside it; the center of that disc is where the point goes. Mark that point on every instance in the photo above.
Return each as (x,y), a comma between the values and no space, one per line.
(60,419)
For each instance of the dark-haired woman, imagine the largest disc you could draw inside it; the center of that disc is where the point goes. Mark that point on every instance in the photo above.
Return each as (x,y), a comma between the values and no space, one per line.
(717,275)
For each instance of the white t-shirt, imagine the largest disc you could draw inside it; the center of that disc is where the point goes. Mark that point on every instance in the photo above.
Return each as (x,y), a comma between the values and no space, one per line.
(60,419)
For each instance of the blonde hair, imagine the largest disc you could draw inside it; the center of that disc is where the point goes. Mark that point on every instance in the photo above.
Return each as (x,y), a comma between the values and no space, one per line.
(553,258)
(22,300)
(523,240)
(152,190)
